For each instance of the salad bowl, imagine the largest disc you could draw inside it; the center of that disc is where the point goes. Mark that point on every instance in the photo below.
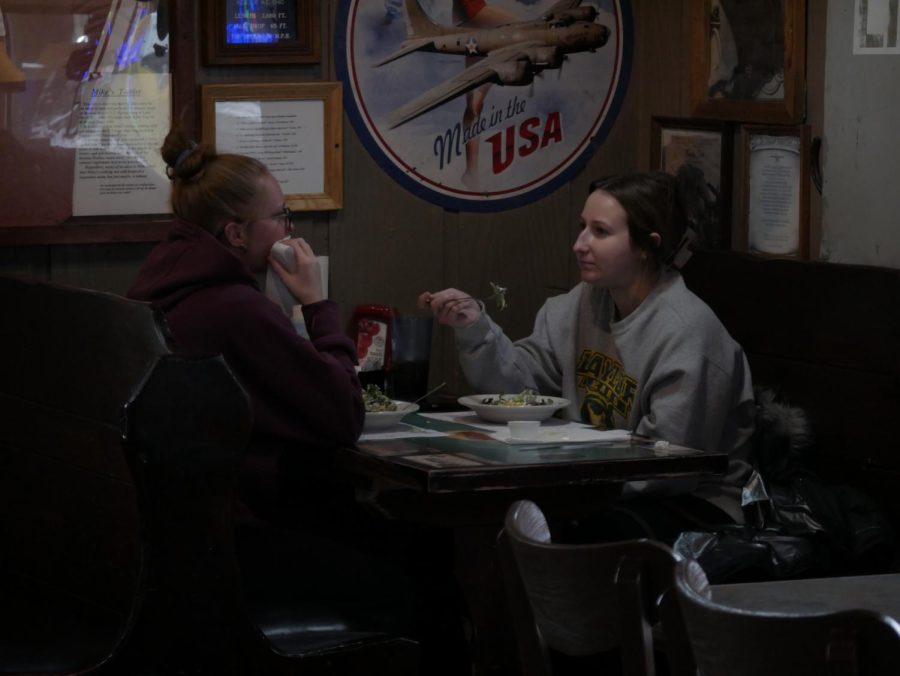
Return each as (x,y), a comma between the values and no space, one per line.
(382,420)
(503,408)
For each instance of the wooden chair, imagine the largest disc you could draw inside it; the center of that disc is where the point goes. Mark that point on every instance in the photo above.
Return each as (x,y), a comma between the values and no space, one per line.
(732,642)
(118,465)
(580,600)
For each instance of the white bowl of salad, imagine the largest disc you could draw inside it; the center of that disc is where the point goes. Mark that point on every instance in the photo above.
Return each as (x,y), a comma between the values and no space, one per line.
(501,408)
(382,412)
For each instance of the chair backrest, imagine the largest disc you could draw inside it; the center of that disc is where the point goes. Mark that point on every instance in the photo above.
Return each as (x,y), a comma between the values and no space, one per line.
(119,462)
(117,468)
(736,642)
(588,598)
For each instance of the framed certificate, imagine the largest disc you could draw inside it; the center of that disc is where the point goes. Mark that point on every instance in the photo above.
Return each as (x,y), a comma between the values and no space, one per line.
(698,153)
(293,128)
(775,190)
(260,32)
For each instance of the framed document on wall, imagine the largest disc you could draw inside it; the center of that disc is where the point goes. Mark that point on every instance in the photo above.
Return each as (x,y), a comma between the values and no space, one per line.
(295,129)
(775,190)
(86,98)
(698,153)
(260,32)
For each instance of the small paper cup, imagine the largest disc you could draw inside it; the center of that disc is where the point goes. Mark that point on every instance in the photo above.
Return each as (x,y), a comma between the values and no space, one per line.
(523,429)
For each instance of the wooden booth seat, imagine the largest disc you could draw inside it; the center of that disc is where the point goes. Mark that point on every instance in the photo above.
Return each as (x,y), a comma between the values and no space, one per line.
(826,337)
(118,464)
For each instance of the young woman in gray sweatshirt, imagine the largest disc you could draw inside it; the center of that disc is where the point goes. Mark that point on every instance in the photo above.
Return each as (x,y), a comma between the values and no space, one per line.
(630,346)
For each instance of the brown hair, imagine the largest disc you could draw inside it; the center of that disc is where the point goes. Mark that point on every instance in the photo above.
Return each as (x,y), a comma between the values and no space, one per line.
(652,203)
(209,189)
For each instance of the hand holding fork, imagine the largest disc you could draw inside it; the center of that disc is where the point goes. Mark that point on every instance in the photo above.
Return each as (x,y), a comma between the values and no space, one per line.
(457,309)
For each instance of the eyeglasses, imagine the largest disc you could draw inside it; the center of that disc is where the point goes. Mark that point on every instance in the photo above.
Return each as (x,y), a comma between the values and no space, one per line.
(286,214)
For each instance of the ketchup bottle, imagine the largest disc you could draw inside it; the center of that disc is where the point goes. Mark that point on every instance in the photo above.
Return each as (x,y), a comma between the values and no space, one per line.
(371,327)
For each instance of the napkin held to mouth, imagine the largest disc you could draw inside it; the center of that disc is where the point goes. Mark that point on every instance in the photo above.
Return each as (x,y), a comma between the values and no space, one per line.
(278,292)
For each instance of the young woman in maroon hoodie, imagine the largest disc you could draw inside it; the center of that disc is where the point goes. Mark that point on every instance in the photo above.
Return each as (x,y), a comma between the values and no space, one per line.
(305,395)
(303,538)
(294,516)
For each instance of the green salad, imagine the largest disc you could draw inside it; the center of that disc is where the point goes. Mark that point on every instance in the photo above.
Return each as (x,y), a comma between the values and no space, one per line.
(377,401)
(526,397)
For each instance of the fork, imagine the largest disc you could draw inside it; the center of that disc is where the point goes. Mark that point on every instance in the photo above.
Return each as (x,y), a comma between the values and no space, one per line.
(454,301)
(499,295)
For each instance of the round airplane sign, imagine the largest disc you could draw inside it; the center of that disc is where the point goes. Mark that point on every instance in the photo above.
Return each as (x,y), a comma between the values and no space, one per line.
(483,105)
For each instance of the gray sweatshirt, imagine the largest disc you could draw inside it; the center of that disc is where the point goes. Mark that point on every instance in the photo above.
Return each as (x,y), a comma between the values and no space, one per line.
(668,370)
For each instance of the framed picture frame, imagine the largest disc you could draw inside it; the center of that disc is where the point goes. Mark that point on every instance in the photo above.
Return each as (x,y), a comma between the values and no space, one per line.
(699,153)
(80,137)
(775,190)
(748,60)
(294,128)
(271,32)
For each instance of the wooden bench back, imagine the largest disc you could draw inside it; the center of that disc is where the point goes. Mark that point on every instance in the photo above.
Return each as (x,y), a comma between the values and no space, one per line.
(827,337)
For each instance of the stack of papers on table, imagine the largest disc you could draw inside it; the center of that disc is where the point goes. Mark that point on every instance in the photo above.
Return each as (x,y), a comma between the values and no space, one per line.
(552,431)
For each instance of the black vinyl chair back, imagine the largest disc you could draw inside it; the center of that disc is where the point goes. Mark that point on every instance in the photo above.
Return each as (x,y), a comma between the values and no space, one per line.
(734,642)
(589,598)
(119,466)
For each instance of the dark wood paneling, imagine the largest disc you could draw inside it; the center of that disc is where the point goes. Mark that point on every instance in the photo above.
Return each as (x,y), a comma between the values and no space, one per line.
(823,336)
(105,267)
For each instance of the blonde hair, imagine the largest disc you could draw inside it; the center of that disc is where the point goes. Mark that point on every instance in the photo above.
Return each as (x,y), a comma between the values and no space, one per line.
(208,188)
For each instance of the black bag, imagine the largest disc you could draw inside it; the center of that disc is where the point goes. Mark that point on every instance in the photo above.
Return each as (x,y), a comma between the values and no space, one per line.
(857,536)
(748,554)
(796,524)
(807,529)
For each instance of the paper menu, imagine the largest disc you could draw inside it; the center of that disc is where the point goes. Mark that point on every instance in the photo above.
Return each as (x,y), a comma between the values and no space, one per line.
(551,431)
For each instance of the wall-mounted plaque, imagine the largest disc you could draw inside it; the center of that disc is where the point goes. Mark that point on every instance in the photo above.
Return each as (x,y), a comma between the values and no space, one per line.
(775,190)
(258,32)
(294,129)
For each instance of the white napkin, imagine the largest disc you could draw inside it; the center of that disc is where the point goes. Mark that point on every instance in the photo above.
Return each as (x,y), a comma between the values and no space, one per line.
(572,433)
(278,292)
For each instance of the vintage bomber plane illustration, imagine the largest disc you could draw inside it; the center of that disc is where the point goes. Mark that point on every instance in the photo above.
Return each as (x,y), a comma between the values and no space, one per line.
(513,53)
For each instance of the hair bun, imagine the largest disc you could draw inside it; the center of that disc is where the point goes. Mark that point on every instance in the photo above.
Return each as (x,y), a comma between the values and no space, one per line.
(174,169)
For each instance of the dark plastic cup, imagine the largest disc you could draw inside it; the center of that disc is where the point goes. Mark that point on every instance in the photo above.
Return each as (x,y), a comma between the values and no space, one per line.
(411,348)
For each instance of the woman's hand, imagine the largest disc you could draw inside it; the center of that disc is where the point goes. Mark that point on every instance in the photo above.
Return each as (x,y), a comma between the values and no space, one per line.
(451,307)
(305,282)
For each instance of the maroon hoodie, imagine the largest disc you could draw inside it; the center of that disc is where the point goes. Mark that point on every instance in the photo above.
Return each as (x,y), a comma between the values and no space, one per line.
(304,394)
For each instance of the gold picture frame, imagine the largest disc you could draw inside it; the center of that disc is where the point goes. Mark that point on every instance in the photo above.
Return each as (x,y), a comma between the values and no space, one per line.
(775,178)
(294,128)
(278,32)
(749,67)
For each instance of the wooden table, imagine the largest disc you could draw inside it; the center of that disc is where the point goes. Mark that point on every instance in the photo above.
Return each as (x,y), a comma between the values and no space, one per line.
(468,460)
(880,593)
(467,482)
